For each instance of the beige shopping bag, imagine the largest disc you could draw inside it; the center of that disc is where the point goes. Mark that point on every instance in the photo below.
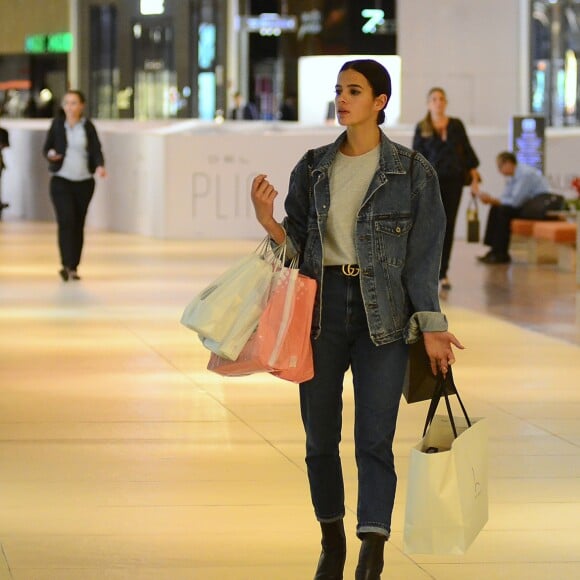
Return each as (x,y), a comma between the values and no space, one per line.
(447,493)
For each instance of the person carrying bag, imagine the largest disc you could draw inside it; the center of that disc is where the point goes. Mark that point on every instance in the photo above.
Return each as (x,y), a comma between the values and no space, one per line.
(364,214)
(447,491)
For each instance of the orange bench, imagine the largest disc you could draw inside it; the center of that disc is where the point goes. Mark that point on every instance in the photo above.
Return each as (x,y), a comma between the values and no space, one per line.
(523,237)
(544,241)
(562,236)
(523,228)
(557,232)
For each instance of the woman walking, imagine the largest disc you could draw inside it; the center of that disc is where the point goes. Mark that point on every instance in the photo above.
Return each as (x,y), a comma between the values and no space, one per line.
(73,150)
(444,142)
(365,215)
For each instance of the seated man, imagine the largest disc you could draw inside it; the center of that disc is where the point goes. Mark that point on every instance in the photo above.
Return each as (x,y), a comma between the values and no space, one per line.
(524,182)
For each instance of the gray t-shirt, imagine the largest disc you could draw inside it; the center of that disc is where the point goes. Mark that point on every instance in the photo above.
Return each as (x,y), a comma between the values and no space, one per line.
(350,178)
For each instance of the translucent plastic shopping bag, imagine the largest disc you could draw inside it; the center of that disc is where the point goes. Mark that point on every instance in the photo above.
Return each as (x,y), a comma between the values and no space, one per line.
(226,313)
(281,343)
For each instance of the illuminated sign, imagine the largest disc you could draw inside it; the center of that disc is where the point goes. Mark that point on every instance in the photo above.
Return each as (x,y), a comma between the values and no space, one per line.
(376,18)
(527,139)
(570,83)
(375,22)
(35,43)
(61,42)
(152,7)
(310,23)
(270,24)
(40,43)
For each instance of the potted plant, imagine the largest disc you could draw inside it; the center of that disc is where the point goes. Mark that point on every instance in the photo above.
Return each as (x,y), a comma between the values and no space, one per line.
(574,203)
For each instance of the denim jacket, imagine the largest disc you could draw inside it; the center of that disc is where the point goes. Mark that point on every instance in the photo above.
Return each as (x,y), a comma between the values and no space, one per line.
(398,239)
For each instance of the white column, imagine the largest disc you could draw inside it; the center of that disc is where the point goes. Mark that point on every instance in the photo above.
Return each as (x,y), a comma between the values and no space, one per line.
(73,57)
(524,60)
(233,46)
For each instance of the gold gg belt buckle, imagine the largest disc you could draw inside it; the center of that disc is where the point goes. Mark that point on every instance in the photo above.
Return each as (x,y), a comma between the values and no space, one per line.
(350,270)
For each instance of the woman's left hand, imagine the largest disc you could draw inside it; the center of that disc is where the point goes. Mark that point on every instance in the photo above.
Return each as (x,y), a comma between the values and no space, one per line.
(438,347)
(101,171)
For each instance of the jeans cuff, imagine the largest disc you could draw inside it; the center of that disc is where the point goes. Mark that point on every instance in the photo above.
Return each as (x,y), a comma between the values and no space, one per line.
(331,519)
(375,529)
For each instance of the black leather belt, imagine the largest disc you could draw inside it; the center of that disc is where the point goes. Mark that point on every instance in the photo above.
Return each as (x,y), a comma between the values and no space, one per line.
(350,270)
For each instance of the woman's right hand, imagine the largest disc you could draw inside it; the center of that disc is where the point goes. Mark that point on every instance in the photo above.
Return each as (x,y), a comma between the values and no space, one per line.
(263,196)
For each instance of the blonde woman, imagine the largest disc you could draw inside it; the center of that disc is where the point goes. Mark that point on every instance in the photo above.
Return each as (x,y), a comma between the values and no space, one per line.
(444,142)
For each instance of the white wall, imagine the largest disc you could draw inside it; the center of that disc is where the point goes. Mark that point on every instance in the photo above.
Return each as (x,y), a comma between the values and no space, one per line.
(192,179)
(317,76)
(472,49)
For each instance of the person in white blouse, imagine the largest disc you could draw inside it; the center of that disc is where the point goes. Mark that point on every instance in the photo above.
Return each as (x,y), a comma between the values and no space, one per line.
(74,152)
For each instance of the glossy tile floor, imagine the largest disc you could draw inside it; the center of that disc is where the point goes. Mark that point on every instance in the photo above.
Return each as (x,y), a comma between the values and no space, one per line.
(121,457)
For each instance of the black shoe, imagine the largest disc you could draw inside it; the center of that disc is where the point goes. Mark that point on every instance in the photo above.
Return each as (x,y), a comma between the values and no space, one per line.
(493,258)
(485,256)
(370,560)
(73,275)
(63,274)
(4,205)
(333,555)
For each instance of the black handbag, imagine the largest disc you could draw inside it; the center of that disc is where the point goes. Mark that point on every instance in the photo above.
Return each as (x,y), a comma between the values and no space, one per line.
(537,207)
(472,221)
(420,382)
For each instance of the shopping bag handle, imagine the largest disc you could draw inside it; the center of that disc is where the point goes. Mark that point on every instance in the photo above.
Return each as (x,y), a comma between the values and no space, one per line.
(275,255)
(441,391)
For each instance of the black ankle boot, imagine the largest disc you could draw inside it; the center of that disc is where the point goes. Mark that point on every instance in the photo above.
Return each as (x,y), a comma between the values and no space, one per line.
(333,555)
(370,560)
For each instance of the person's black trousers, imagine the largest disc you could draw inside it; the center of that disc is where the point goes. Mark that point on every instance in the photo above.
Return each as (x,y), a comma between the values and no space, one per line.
(497,231)
(451,190)
(71,201)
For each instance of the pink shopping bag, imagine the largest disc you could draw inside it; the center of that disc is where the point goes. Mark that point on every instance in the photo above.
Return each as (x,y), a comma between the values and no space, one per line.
(281,343)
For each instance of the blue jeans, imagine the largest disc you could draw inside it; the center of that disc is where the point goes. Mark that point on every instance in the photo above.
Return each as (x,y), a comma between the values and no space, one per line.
(378,374)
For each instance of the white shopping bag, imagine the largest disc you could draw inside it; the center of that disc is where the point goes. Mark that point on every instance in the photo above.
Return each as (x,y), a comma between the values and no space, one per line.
(447,492)
(226,312)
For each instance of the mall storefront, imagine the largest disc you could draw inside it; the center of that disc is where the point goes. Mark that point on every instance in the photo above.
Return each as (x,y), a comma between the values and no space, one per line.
(555,48)
(163,59)
(152,59)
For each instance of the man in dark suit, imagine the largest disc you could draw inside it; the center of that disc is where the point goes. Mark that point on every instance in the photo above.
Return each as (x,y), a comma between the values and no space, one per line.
(241,111)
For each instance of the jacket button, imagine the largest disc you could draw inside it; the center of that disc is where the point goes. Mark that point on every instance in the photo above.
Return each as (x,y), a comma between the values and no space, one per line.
(398,229)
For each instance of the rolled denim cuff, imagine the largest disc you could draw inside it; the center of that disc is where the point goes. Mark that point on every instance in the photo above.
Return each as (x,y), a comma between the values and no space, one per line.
(422,322)
(291,250)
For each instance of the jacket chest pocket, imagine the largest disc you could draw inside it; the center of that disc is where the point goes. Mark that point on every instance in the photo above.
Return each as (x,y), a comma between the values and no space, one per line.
(391,240)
